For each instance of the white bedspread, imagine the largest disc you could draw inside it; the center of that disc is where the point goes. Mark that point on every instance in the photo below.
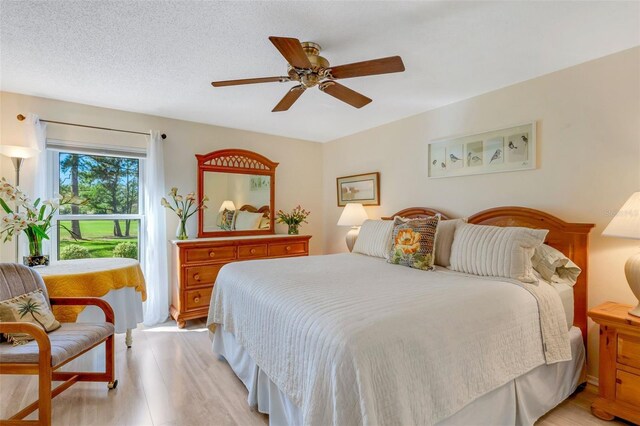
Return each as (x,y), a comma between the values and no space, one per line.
(319,327)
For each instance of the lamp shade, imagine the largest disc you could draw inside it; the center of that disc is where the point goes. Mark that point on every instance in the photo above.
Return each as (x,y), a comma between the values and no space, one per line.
(228,205)
(626,223)
(352,215)
(16,151)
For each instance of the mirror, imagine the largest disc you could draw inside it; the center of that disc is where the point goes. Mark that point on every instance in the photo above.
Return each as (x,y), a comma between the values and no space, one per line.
(240,187)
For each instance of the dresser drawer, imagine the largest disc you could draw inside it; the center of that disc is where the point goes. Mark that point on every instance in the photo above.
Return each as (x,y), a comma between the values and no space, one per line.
(202,254)
(629,350)
(201,275)
(285,249)
(252,251)
(628,388)
(200,298)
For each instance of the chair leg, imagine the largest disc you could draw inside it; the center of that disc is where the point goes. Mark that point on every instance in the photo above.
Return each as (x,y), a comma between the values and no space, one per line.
(110,362)
(44,395)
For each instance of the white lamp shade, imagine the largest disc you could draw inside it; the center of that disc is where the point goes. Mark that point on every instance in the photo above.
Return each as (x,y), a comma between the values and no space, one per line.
(352,215)
(228,205)
(626,223)
(16,151)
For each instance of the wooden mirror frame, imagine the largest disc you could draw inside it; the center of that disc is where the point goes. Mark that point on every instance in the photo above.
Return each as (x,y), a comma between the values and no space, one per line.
(236,161)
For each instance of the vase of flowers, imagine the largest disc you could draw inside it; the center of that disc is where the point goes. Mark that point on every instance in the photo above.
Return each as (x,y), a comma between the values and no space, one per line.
(293,219)
(184,207)
(32,218)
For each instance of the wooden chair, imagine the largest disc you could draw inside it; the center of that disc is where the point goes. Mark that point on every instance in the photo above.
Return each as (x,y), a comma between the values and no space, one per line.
(51,351)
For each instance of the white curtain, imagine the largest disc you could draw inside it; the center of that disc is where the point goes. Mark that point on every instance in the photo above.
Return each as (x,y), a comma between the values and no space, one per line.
(33,173)
(156,308)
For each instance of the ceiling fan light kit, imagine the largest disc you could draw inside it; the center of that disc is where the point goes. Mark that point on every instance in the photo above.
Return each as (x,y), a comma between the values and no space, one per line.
(306,66)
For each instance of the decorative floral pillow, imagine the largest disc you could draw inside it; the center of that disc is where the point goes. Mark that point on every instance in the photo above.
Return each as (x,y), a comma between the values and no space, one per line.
(31,307)
(226,219)
(414,242)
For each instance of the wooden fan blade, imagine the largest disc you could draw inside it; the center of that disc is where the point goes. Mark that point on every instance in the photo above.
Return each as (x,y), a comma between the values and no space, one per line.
(292,51)
(345,94)
(372,67)
(250,81)
(292,95)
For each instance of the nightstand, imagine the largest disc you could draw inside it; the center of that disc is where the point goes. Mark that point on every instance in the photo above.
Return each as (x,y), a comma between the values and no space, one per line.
(619,381)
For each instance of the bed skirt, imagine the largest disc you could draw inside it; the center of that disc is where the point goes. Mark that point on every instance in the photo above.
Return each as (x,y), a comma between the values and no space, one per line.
(521,401)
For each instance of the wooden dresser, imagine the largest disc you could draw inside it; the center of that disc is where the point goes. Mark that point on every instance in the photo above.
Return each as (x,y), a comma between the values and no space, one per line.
(619,381)
(195,266)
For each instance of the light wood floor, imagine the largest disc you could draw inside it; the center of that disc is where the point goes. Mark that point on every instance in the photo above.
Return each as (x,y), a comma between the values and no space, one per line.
(171,377)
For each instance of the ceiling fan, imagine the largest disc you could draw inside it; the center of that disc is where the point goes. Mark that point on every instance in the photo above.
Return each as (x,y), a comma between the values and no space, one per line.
(307,67)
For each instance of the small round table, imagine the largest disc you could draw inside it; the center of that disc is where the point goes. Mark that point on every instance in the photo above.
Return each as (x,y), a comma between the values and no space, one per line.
(119,281)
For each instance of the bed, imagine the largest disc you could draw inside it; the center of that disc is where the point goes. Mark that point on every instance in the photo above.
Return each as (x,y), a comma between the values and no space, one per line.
(348,339)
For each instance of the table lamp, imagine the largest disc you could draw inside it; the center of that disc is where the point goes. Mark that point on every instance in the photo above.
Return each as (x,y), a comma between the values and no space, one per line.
(17,154)
(227,205)
(353,215)
(626,224)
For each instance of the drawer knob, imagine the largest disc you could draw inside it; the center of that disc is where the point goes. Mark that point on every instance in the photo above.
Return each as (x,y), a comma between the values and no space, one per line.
(252,251)
(196,277)
(212,254)
(288,248)
(196,298)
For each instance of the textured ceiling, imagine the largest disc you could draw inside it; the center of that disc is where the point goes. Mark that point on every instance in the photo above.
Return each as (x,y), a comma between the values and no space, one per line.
(158,57)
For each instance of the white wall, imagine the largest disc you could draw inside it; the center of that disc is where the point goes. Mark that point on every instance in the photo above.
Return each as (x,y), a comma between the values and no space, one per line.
(588,122)
(298,176)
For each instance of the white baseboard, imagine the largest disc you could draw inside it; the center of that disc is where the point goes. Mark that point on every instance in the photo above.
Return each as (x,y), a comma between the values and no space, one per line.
(592,380)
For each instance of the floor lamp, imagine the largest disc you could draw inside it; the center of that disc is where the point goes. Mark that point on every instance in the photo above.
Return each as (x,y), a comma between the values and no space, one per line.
(17,154)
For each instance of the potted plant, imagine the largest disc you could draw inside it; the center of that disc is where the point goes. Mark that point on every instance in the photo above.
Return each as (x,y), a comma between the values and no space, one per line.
(32,218)
(293,219)
(184,207)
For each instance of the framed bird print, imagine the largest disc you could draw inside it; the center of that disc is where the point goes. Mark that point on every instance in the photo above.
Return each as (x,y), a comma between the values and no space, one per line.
(502,150)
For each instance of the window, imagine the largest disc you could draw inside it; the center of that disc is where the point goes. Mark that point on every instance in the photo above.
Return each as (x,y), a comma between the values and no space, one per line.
(110,223)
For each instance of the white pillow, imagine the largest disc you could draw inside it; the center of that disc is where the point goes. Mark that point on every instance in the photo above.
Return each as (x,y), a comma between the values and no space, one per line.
(444,240)
(554,266)
(568,272)
(496,251)
(374,238)
(265,223)
(247,220)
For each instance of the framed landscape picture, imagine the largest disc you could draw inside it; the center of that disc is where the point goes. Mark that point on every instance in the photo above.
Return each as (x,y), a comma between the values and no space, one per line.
(502,150)
(363,189)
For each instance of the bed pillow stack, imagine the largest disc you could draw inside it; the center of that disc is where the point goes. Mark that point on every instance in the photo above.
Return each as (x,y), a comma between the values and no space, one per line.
(374,238)
(496,251)
(414,242)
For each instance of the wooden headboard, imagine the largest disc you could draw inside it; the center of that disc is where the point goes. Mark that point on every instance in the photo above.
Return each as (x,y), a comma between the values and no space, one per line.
(572,239)
(249,208)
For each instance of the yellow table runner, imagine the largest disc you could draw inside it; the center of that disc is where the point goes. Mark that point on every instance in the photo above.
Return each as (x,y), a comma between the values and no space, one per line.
(90,278)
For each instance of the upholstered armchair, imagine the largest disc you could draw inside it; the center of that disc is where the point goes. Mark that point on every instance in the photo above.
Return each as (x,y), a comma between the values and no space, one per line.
(49,351)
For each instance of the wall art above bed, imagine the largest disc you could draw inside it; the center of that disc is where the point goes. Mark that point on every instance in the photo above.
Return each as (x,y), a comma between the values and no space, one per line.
(503,150)
(364,189)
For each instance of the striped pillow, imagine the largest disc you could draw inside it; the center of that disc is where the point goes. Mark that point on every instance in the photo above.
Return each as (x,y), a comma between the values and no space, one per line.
(374,238)
(496,251)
